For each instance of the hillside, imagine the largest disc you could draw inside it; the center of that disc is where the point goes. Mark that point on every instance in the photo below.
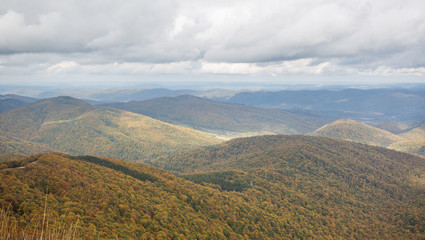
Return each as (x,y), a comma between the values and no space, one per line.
(328,188)
(351,130)
(410,146)
(416,133)
(17,146)
(102,198)
(217,117)
(73,126)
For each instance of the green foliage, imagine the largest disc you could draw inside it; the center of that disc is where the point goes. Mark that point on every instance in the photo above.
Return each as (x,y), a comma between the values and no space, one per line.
(325,188)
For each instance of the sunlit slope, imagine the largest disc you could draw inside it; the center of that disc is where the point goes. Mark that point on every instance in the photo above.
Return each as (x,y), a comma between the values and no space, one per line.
(416,133)
(329,188)
(73,126)
(351,130)
(101,198)
(410,146)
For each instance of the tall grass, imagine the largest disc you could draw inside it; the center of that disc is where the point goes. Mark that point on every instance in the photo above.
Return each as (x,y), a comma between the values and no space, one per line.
(47,229)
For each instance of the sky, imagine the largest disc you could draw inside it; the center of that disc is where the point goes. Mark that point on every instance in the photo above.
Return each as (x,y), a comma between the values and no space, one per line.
(105,43)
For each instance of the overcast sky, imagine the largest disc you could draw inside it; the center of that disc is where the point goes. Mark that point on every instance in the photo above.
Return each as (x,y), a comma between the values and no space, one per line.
(112,42)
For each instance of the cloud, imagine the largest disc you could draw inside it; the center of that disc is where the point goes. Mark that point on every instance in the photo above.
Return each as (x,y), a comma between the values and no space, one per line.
(232,37)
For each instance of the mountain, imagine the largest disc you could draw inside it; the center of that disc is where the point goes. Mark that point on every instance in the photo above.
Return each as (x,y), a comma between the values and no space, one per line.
(351,130)
(11,101)
(58,196)
(217,117)
(74,126)
(373,105)
(329,189)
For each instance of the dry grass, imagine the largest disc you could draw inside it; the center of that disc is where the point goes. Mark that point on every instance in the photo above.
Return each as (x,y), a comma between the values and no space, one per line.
(47,229)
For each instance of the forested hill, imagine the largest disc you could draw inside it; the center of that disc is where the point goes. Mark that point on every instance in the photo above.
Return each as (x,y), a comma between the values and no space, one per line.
(328,187)
(70,125)
(101,198)
(212,116)
(347,129)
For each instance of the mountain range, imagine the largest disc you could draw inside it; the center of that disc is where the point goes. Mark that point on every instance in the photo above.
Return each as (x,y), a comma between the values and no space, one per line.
(70,125)
(337,182)
(216,117)
(373,105)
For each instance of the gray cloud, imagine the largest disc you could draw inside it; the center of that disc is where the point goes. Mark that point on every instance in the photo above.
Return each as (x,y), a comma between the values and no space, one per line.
(270,35)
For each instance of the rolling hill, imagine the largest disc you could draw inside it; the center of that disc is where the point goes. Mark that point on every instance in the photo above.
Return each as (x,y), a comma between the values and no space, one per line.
(217,117)
(70,125)
(351,130)
(58,196)
(328,189)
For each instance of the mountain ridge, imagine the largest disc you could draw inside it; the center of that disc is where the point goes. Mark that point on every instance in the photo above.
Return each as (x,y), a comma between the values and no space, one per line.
(74,126)
(212,116)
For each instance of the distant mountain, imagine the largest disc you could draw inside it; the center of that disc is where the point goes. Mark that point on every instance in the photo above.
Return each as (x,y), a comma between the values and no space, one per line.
(374,105)
(67,197)
(105,95)
(74,126)
(212,116)
(11,101)
(351,130)
(328,188)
